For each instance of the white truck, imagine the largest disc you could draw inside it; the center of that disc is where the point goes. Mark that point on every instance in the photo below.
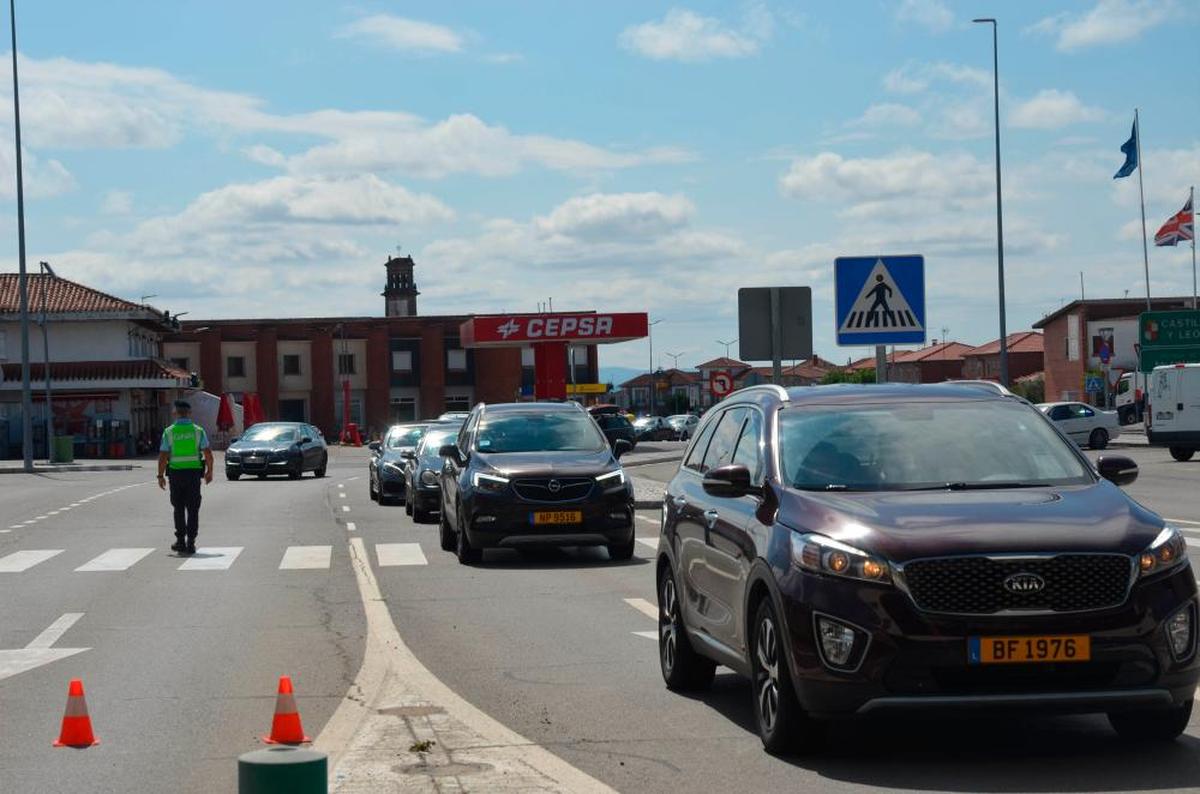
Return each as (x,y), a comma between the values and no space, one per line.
(1131,388)
(1173,409)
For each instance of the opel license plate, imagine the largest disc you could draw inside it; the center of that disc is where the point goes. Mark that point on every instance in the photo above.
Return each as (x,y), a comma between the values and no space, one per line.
(543,517)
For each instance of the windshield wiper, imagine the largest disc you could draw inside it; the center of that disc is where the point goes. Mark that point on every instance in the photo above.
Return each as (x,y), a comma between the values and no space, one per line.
(988,486)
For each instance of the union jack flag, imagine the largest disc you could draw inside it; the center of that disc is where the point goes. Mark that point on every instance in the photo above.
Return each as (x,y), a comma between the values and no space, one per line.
(1181,226)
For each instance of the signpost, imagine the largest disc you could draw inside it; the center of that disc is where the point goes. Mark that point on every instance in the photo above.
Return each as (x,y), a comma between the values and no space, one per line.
(880,300)
(774,323)
(587,388)
(1168,338)
(721,384)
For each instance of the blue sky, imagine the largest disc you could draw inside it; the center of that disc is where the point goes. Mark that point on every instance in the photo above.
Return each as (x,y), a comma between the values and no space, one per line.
(262,159)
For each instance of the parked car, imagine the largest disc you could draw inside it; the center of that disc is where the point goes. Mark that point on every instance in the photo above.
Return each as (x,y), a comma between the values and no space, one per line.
(454,416)
(683,426)
(267,448)
(616,428)
(860,550)
(534,474)
(1173,409)
(386,481)
(1084,424)
(423,467)
(652,428)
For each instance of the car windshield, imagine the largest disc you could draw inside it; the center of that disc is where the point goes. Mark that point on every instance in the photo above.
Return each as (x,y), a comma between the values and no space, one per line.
(643,420)
(282,433)
(559,431)
(404,437)
(914,446)
(678,420)
(433,440)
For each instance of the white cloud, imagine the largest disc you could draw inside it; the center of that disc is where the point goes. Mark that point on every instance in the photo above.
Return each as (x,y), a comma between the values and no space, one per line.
(117,202)
(684,35)
(933,15)
(1107,22)
(948,179)
(405,35)
(914,78)
(605,215)
(887,114)
(1051,109)
(43,178)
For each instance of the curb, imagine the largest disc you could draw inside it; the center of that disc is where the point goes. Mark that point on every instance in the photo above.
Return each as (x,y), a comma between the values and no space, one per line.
(68,468)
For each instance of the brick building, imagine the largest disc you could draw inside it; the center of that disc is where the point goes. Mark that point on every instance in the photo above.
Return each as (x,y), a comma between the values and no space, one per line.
(1025,357)
(934,363)
(401,366)
(1075,333)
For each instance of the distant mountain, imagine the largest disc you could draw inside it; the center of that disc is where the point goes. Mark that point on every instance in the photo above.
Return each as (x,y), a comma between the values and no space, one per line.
(618,375)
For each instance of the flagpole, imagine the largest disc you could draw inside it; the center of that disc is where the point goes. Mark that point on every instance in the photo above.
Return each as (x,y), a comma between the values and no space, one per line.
(1192,204)
(1137,142)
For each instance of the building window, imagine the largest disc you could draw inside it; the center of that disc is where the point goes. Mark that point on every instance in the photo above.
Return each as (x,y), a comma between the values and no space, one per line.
(181,363)
(401,361)
(3,345)
(456,360)
(403,409)
(527,359)
(291,364)
(345,363)
(458,402)
(235,367)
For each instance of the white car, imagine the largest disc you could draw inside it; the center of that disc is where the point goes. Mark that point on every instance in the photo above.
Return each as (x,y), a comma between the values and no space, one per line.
(684,425)
(1084,424)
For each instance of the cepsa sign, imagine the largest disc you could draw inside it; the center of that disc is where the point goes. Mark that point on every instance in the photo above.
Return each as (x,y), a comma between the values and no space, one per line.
(524,329)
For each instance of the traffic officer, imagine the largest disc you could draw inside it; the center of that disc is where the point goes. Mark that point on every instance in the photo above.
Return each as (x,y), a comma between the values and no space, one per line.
(184,456)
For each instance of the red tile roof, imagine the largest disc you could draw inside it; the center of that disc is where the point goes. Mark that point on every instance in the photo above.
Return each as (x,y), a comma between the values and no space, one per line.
(134,369)
(1021,342)
(942,351)
(62,296)
(674,377)
(723,363)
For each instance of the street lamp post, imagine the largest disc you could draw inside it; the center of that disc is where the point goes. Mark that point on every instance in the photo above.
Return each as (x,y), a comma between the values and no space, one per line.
(727,345)
(999,209)
(650,372)
(674,359)
(22,280)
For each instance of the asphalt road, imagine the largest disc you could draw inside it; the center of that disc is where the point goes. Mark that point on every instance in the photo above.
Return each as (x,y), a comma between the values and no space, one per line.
(557,645)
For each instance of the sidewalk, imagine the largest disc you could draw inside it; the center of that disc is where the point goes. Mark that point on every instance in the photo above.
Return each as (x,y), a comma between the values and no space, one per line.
(90,464)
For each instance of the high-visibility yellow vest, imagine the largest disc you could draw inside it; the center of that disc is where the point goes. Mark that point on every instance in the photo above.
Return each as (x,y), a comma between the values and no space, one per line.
(184,441)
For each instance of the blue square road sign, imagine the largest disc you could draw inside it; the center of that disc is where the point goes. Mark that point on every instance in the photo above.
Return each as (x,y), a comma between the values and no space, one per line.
(880,300)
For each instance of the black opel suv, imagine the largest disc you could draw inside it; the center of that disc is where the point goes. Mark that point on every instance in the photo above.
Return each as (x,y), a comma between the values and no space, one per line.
(856,550)
(524,474)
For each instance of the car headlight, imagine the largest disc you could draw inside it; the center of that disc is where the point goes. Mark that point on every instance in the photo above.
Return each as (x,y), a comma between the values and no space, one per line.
(612,478)
(396,467)
(429,477)
(1180,632)
(489,483)
(820,554)
(232,457)
(1168,551)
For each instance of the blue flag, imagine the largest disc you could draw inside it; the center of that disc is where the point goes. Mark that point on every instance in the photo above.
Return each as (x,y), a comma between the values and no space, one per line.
(1131,155)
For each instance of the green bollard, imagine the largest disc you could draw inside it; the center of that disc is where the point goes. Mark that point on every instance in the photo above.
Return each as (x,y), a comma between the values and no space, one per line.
(293,770)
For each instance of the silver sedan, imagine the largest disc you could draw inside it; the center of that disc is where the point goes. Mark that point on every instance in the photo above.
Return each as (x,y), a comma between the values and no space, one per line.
(1083,423)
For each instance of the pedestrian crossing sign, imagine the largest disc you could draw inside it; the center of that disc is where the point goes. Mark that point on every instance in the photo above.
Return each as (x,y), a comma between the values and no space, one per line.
(880,300)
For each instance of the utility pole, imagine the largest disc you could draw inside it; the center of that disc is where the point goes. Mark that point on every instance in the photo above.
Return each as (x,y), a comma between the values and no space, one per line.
(47,273)
(22,280)
(650,372)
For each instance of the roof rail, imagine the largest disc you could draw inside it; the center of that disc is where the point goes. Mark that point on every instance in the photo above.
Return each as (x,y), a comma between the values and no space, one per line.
(778,390)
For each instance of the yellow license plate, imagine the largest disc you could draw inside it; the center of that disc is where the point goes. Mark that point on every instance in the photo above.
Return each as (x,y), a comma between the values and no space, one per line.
(1025,650)
(557,517)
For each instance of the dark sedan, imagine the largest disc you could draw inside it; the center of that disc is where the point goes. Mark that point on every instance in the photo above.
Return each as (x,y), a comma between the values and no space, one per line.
(423,468)
(859,550)
(534,474)
(267,448)
(386,481)
(616,427)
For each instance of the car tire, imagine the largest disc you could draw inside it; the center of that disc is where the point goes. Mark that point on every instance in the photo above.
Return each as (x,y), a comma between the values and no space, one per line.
(1182,454)
(296,473)
(619,552)
(1151,725)
(445,533)
(371,488)
(408,507)
(1098,439)
(232,475)
(262,476)
(782,725)
(324,467)
(683,670)
(467,554)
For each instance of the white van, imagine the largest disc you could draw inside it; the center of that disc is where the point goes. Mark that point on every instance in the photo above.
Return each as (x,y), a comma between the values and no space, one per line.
(1128,400)
(1173,409)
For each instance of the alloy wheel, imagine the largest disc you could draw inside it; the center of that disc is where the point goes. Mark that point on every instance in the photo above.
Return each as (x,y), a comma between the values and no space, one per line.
(766,674)
(668,623)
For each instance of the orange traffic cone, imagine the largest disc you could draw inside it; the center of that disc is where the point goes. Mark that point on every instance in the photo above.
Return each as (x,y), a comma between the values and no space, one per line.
(76,725)
(286,727)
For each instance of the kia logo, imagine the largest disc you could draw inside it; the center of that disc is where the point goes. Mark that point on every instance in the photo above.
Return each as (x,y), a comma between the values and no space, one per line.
(554,486)
(1024,583)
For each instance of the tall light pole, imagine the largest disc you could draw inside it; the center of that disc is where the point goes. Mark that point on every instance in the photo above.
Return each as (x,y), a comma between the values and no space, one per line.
(22,281)
(674,359)
(650,372)
(727,345)
(47,273)
(999,210)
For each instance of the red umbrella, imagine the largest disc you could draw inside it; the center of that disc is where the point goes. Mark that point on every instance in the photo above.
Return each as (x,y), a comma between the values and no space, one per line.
(225,413)
(252,412)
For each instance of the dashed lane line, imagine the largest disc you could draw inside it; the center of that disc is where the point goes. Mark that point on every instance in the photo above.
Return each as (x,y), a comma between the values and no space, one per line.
(345,508)
(650,542)
(650,635)
(643,606)
(350,526)
(116,560)
(20,561)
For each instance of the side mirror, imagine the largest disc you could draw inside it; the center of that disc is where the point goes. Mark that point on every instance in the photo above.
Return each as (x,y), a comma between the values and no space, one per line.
(235,440)
(1117,469)
(375,447)
(449,451)
(729,481)
(408,454)
(306,440)
(620,447)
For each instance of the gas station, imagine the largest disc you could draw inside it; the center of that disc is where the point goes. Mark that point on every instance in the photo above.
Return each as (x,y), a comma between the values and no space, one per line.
(550,336)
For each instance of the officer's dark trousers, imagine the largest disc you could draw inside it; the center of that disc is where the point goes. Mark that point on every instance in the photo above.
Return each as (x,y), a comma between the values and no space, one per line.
(185,498)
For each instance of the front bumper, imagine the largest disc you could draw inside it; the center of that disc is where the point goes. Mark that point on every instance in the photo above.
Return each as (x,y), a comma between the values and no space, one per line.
(261,466)
(427,498)
(504,520)
(391,483)
(918,660)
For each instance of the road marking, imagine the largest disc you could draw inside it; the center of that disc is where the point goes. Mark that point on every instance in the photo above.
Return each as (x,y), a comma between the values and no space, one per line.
(5,531)
(38,518)
(54,512)
(55,630)
(341,485)
(16,526)
(345,508)
(64,509)
(20,561)
(305,557)
(115,560)
(1183,521)
(643,606)
(650,635)
(649,520)
(651,542)
(357,734)
(350,526)
(75,504)
(399,554)
(352,479)
(342,495)
(212,558)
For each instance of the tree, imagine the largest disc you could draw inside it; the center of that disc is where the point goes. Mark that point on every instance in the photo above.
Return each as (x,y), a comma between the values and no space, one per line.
(849,376)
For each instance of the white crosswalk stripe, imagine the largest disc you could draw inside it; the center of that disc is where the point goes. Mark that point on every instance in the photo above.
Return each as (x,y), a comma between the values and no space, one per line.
(306,557)
(212,558)
(115,560)
(399,554)
(20,561)
(651,542)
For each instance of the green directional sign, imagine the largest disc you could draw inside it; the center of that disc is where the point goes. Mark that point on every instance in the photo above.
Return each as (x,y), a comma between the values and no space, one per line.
(1169,338)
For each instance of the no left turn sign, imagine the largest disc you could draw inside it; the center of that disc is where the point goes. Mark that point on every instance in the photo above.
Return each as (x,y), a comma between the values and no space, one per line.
(721,384)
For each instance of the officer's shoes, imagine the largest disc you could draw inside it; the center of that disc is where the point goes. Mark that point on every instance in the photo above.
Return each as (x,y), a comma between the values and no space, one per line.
(191,549)
(178,546)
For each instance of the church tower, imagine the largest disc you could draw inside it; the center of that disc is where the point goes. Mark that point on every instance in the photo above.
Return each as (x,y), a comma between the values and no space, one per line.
(400,296)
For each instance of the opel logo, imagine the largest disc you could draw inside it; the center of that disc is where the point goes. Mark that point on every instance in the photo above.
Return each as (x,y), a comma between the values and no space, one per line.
(554,486)
(1024,583)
